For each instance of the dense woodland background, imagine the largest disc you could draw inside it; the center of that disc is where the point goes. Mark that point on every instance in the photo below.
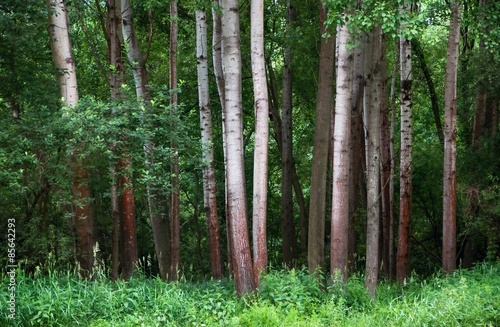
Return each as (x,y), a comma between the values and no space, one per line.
(135,167)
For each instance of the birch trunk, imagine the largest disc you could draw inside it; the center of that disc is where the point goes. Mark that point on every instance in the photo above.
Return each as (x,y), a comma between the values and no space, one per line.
(373,164)
(405,166)
(236,193)
(209,193)
(82,220)
(341,157)
(261,107)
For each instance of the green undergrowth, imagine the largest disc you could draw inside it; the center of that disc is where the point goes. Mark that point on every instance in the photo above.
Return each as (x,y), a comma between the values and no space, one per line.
(285,298)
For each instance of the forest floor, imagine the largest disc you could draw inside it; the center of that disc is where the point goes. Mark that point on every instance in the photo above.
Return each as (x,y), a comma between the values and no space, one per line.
(285,298)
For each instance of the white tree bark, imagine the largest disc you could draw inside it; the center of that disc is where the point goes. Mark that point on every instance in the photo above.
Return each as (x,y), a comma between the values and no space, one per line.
(236,193)
(261,107)
(341,156)
(209,194)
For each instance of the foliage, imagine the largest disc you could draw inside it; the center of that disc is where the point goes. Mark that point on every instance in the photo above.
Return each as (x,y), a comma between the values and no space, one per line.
(50,298)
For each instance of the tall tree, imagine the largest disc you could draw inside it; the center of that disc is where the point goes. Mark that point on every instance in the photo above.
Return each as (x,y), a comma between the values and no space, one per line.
(158,223)
(324,109)
(341,156)
(405,166)
(82,220)
(372,124)
(287,222)
(209,193)
(233,129)
(175,228)
(450,143)
(261,107)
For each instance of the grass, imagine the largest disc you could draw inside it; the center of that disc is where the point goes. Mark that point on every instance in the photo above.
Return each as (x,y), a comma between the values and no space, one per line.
(292,298)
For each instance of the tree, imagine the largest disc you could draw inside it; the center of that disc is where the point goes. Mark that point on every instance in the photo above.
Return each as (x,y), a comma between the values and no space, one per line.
(287,165)
(324,109)
(405,166)
(450,144)
(341,156)
(233,129)
(209,192)
(82,219)
(175,237)
(261,107)
(373,159)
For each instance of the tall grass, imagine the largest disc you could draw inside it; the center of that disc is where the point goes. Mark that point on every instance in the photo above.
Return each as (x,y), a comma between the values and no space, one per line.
(293,298)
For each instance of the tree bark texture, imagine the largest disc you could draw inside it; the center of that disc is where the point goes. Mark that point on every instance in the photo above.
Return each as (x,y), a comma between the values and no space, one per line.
(236,193)
(373,161)
(324,110)
(450,144)
(261,109)
(341,157)
(405,167)
(209,192)
(83,220)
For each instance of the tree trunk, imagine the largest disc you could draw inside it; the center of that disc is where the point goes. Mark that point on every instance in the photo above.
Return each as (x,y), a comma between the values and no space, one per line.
(373,161)
(209,192)
(287,222)
(324,109)
(405,167)
(236,193)
(219,78)
(159,223)
(83,220)
(261,107)
(341,157)
(450,144)
(175,236)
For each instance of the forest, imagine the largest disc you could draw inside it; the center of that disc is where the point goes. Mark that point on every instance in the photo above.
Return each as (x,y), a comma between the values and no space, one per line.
(335,162)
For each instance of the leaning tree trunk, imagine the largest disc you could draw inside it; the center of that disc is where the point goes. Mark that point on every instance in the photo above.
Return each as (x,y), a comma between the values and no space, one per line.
(341,157)
(450,144)
(83,220)
(236,193)
(209,193)
(261,107)
(405,166)
(324,109)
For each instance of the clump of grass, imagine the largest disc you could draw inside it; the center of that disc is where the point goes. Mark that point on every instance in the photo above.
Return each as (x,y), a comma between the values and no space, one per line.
(285,298)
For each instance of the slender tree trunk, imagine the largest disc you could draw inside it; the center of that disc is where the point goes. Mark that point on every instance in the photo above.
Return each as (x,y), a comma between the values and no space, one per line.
(219,78)
(209,193)
(299,195)
(373,163)
(261,106)
(236,193)
(405,167)
(450,144)
(356,173)
(385,160)
(175,200)
(392,252)
(159,223)
(341,157)
(83,220)
(324,109)
(287,221)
